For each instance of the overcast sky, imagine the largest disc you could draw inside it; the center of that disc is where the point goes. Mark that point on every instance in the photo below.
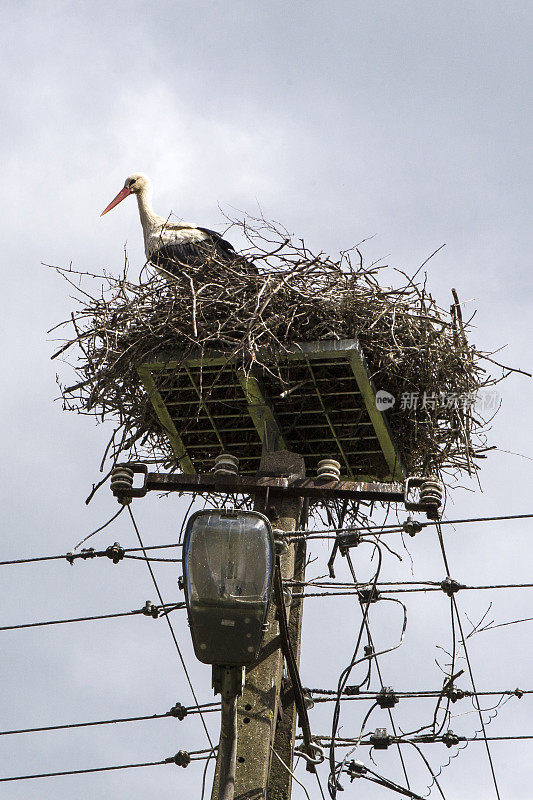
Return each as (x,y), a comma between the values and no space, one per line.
(409,122)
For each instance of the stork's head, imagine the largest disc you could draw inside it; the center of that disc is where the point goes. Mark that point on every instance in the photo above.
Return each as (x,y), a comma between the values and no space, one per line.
(134,184)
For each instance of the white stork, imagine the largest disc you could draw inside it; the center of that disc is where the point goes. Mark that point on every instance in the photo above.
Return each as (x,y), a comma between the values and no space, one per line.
(169,245)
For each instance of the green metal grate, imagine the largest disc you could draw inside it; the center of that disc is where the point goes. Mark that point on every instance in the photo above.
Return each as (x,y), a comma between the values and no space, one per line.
(317,400)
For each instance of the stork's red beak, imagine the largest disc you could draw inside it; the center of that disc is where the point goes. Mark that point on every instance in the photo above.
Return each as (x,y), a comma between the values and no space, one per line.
(118,199)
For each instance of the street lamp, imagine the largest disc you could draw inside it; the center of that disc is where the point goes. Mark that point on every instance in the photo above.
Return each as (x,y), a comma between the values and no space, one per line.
(228,562)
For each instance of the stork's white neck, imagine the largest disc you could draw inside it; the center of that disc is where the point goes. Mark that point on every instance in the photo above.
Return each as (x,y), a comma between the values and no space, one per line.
(144,201)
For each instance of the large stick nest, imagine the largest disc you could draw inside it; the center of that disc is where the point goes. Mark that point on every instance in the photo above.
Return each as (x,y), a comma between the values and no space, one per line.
(414,348)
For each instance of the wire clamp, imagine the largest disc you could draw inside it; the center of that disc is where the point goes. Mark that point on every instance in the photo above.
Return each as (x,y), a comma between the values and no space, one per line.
(370,595)
(280,541)
(349,690)
(450,739)
(387,697)
(149,610)
(380,739)
(178,711)
(181,759)
(454,694)
(316,759)
(449,586)
(518,693)
(411,526)
(348,540)
(115,552)
(308,698)
(355,769)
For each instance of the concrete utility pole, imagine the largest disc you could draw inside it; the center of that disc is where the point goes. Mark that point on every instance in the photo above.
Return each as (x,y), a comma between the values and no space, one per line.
(266,721)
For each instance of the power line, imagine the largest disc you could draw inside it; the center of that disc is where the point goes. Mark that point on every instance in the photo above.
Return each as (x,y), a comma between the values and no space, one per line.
(148,610)
(314,534)
(197,755)
(173,712)
(398,527)
(345,741)
(174,638)
(378,668)
(469,665)
(89,553)
(405,588)
(330,694)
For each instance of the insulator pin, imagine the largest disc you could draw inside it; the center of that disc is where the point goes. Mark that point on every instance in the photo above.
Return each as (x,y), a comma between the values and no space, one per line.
(122,483)
(329,469)
(431,494)
(226,464)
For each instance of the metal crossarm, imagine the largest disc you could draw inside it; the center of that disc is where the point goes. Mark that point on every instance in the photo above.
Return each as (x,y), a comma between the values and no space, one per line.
(314,398)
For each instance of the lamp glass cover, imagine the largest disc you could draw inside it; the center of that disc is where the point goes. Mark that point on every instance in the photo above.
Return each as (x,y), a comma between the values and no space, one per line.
(228,559)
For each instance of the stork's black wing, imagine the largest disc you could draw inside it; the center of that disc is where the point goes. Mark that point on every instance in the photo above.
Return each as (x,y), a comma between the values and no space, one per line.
(194,253)
(221,244)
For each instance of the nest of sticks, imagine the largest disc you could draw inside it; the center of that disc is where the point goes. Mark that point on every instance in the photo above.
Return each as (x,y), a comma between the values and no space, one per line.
(415,350)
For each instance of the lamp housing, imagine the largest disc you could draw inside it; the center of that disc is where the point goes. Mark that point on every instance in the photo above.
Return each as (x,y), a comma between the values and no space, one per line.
(228,564)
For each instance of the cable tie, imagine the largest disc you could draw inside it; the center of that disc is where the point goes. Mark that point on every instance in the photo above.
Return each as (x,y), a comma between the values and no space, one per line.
(115,552)
(368,650)
(70,558)
(450,586)
(387,697)
(380,739)
(178,711)
(149,610)
(180,582)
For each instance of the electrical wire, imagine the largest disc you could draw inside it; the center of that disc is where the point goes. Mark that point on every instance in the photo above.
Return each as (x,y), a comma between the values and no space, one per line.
(398,527)
(291,773)
(87,555)
(206,708)
(164,610)
(392,528)
(378,668)
(427,588)
(469,665)
(101,528)
(197,755)
(343,679)
(174,638)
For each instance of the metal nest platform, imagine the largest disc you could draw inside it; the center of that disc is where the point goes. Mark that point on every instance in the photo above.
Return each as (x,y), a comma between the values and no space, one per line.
(318,400)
